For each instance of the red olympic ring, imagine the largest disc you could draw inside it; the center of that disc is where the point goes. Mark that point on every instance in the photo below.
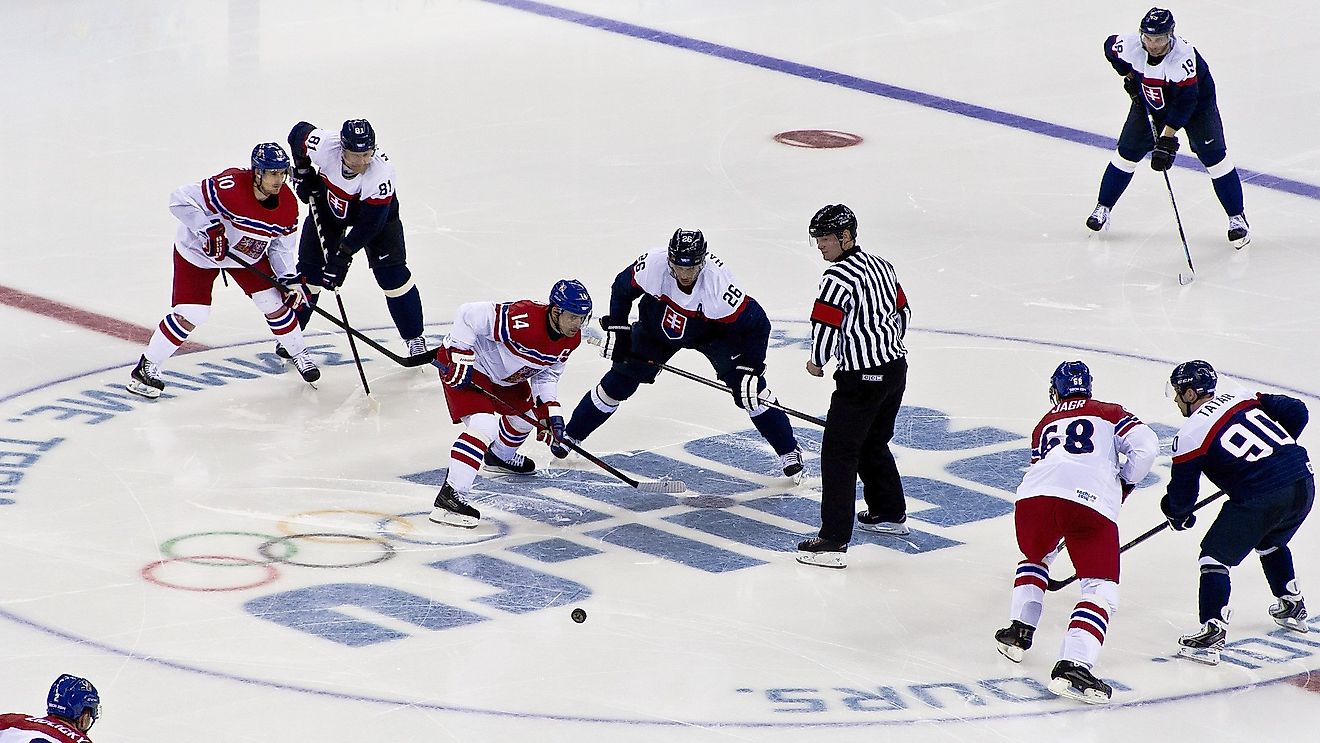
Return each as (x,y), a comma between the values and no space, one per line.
(148,573)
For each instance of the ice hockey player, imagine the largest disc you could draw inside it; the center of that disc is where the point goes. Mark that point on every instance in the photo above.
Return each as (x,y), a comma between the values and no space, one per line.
(1245,442)
(72,707)
(515,352)
(1165,75)
(246,212)
(688,300)
(1070,497)
(350,184)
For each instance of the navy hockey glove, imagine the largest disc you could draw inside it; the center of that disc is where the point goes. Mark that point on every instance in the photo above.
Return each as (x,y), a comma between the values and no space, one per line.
(747,388)
(1177,522)
(336,268)
(214,242)
(295,291)
(1166,148)
(305,180)
(456,365)
(551,423)
(1133,88)
(618,339)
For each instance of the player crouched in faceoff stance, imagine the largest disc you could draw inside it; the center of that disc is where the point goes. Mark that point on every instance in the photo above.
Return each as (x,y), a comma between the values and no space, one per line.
(500,362)
(1070,496)
(688,300)
(1246,443)
(72,707)
(251,213)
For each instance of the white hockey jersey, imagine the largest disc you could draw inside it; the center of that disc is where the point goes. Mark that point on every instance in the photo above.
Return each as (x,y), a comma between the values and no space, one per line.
(514,344)
(1075,450)
(252,229)
(343,186)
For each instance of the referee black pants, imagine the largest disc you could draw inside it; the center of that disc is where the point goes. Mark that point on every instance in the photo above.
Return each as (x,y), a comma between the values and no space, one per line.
(857,432)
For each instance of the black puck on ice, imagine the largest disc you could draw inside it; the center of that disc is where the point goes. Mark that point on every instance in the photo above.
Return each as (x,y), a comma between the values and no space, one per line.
(579,616)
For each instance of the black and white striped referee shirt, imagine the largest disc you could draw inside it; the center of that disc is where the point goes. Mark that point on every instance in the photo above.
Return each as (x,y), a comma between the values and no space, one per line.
(860,315)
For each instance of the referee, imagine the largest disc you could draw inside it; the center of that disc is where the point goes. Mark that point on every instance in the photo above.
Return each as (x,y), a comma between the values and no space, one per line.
(859,319)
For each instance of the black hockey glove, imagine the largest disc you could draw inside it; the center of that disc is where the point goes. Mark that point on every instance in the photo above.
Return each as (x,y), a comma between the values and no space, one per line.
(336,268)
(1177,522)
(305,179)
(1133,88)
(618,339)
(747,386)
(1166,148)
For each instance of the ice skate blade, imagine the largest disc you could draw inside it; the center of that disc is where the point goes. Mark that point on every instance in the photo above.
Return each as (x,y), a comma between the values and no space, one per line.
(1063,688)
(449,518)
(1012,652)
(1293,624)
(142,390)
(891,529)
(1205,656)
(837,560)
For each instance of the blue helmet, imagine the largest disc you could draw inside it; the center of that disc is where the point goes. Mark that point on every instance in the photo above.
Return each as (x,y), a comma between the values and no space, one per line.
(687,248)
(1157,21)
(269,156)
(1194,375)
(70,696)
(570,295)
(832,219)
(1070,379)
(357,136)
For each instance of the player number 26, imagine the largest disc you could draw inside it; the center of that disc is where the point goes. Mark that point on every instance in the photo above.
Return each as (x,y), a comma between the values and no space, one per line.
(733,295)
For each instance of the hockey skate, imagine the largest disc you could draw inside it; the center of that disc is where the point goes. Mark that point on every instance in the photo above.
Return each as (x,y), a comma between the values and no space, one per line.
(307,368)
(417,346)
(145,380)
(1205,645)
(514,465)
(823,553)
(561,450)
(1015,640)
(450,510)
(1239,232)
(875,524)
(282,352)
(1099,219)
(792,464)
(1290,612)
(1075,681)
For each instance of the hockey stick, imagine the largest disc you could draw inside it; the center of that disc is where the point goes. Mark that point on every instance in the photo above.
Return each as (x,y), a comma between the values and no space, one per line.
(1055,585)
(598,341)
(659,486)
(315,211)
(1183,278)
(421,359)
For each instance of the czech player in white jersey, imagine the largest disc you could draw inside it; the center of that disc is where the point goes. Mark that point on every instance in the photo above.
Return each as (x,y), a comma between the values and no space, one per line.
(240,212)
(688,299)
(501,362)
(72,707)
(1070,497)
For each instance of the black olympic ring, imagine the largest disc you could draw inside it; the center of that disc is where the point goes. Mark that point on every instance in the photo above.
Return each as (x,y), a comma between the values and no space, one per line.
(387,549)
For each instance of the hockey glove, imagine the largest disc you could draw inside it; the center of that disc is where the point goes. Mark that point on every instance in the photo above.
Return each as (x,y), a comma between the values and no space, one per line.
(1133,88)
(1127,490)
(747,389)
(1166,149)
(214,242)
(618,339)
(458,369)
(295,294)
(551,423)
(1177,522)
(305,180)
(336,268)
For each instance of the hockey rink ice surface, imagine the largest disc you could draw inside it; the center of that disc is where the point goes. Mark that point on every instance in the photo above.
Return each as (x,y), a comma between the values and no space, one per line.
(251,557)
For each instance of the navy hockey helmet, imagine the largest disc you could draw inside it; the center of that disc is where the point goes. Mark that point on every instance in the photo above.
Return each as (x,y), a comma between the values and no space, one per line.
(357,136)
(1194,375)
(71,696)
(1070,379)
(832,219)
(687,248)
(570,295)
(1156,22)
(269,156)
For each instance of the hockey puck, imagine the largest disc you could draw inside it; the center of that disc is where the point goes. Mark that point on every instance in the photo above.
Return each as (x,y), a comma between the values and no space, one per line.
(579,616)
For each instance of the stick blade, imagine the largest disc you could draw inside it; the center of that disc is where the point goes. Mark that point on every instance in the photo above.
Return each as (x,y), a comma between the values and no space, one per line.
(1186,277)
(663,486)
